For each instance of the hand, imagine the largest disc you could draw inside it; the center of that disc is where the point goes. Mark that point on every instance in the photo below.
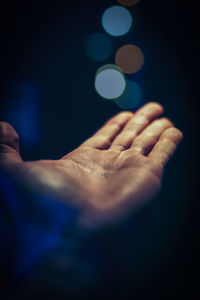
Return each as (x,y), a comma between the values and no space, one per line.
(115,172)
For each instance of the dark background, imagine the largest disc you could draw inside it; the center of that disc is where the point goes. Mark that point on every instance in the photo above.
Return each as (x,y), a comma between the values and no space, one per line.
(41,48)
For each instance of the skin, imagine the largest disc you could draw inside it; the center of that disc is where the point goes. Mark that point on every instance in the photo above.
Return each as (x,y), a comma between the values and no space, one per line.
(115,173)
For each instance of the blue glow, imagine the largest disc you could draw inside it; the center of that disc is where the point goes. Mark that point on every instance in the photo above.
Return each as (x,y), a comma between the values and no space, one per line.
(98,47)
(110,82)
(117,20)
(40,231)
(24,114)
(131,97)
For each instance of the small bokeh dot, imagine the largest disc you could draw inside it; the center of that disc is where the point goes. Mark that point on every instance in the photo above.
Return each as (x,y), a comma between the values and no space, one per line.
(128,2)
(129,58)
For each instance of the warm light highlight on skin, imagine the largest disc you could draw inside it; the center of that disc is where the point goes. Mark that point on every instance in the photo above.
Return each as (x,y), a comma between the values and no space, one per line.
(112,175)
(129,58)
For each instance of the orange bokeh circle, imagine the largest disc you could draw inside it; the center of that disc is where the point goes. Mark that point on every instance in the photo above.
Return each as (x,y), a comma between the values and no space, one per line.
(129,58)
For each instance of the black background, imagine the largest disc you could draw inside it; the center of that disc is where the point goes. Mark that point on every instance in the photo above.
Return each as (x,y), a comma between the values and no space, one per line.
(44,41)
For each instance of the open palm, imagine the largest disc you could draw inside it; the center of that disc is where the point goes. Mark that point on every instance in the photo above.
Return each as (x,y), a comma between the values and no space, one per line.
(116,171)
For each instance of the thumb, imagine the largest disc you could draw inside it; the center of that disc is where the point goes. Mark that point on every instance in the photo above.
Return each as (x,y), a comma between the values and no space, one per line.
(9,144)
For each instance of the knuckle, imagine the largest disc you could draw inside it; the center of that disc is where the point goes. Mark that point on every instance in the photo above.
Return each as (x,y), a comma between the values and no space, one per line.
(4,148)
(138,120)
(125,114)
(115,125)
(120,118)
(8,134)
(152,140)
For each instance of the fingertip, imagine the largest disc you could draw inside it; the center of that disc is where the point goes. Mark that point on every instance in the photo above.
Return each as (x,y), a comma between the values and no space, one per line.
(174,134)
(155,105)
(153,109)
(121,117)
(179,134)
(167,121)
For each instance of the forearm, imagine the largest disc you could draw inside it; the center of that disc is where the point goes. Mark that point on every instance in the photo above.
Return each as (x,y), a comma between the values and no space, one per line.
(53,252)
(49,249)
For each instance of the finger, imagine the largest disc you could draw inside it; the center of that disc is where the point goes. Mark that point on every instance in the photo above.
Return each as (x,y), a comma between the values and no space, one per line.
(145,141)
(166,145)
(104,136)
(136,124)
(9,144)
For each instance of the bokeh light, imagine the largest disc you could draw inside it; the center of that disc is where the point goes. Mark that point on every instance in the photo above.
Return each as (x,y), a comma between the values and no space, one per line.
(131,97)
(110,82)
(117,20)
(128,2)
(98,46)
(129,58)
